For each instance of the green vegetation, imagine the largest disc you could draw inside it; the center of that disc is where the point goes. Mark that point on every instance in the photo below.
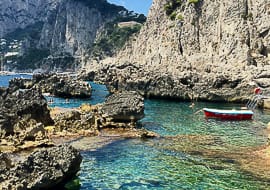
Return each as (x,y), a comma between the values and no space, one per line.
(112,39)
(103,6)
(170,8)
(180,17)
(31,59)
(193,1)
(173,15)
(131,16)
(30,32)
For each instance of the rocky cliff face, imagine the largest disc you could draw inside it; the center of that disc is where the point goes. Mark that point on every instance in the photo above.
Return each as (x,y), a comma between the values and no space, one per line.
(71,27)
(21,13)
(212,50)
(68,27)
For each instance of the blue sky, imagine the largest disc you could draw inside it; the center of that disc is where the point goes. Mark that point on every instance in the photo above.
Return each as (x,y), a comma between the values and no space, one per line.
(138,6)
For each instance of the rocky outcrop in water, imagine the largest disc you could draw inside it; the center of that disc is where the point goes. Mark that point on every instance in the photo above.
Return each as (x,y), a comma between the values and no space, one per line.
(211,50)
(74,121)
(123,107)
(66,86)
(118,115)
(42,169)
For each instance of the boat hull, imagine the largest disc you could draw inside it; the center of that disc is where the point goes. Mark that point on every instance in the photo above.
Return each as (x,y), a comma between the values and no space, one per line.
(228,114)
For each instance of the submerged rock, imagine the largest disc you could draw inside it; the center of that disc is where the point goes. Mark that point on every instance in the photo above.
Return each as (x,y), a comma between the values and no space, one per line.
(43,169)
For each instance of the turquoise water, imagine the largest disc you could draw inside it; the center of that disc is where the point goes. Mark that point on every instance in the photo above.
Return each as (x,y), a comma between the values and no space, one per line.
(148,164)
(133,164)
(166,163)
(99,94)
(174,118)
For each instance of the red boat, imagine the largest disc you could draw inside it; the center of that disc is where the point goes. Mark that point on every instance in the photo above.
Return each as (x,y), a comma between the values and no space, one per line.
(228,114)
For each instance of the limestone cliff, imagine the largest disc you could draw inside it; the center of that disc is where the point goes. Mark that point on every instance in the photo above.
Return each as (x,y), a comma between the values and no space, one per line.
(66,28)
(209,50)
(21,13)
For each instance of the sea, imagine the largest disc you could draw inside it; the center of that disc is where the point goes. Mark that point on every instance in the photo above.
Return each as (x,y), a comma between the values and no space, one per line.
(193,153)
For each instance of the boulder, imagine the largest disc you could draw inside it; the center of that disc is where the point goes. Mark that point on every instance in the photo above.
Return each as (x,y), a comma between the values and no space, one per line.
(43,169)
(127,106)
(67,87)
(23,115)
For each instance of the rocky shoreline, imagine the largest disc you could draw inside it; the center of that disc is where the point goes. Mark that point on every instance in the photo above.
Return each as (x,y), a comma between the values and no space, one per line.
(27,123)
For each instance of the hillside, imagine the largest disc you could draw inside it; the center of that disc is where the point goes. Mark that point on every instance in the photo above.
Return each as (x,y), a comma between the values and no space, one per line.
(202,50)
(56,34)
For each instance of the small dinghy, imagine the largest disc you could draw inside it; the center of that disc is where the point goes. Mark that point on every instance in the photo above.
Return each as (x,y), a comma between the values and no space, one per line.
(228,114)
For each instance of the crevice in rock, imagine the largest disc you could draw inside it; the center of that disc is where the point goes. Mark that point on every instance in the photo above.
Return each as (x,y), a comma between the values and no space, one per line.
(264,33)
(198,11)
(264,51)
(180,47)
(246,9)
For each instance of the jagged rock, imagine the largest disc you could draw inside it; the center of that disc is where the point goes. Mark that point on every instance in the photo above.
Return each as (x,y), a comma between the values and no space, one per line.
(43,169)
(124,106)
(67,87)
(75,121)
(23,115)
(5,164)
(58,85)
(121,110)
(32,131)
(214,50)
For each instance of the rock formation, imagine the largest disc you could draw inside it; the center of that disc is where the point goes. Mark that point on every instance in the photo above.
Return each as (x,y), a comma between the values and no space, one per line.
(74,122)
(119,110)
(55,35)
(58,85)
(68,25)
(212,50)
(123,107)
(19,14)
(42,169)
(23,115)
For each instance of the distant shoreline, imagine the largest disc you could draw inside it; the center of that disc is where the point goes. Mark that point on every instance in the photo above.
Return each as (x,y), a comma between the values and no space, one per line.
(4,73)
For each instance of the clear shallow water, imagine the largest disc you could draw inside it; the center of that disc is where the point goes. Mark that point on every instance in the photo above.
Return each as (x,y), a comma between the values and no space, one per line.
(138,164)
(132,164)
(99,94)
(145,164)
(173,118)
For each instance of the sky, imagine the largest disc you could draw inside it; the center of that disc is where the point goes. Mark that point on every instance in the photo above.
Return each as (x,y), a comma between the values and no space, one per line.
(138,6)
